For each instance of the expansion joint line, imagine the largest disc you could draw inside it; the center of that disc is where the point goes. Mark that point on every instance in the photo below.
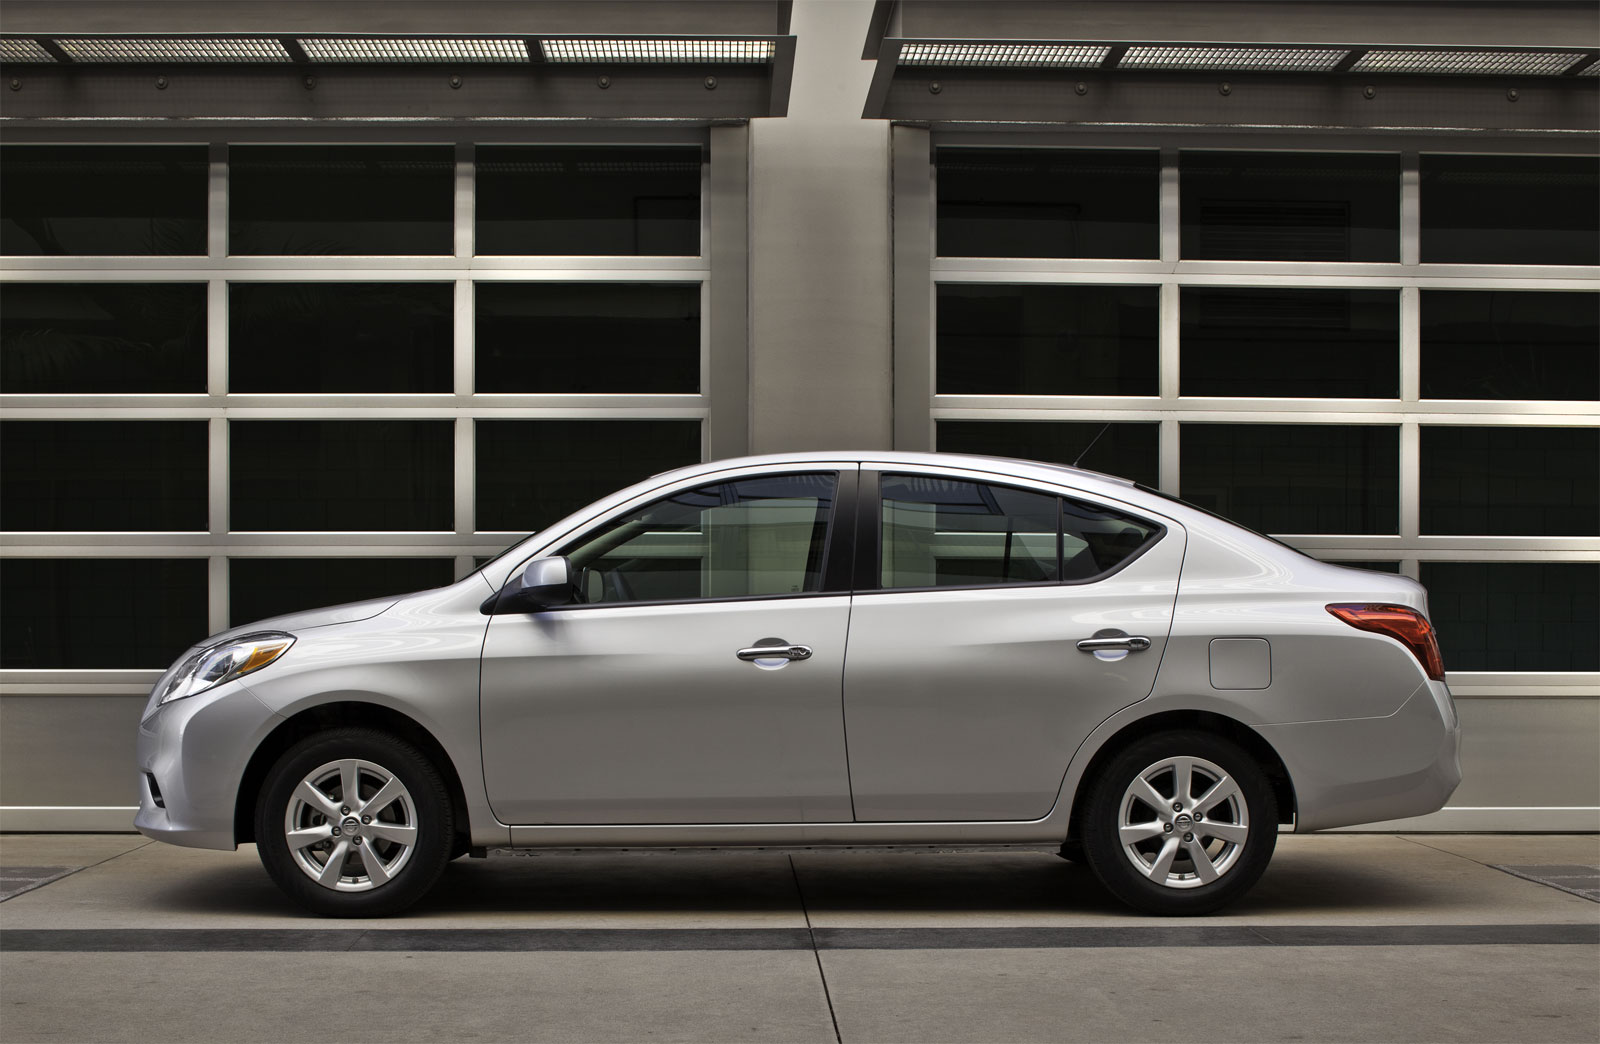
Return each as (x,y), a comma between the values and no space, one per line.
(812,932)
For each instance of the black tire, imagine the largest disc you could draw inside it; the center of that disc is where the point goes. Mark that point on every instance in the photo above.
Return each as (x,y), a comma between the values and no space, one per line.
(1183,889)
(375,757)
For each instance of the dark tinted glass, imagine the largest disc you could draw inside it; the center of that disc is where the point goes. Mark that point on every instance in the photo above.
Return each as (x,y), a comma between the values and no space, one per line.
(1510,344)
(102,337)
(345,199)
(1047,340)
(103,199)
(1290,343)
(103,475)
(1129,450)
(340,337)
(1283,206)
(531,473)
(1048,203)
(751,538)
(588,337)
(946,533)
(1376,566)
(1515,616)
(100,613)
(1505,481)
(263,587)
(342,475)
(1295,478)
(588,200)
(1511,210)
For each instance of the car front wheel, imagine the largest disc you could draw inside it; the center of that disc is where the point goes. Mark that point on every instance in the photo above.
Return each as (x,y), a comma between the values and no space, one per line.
(1180,823)
(354,823)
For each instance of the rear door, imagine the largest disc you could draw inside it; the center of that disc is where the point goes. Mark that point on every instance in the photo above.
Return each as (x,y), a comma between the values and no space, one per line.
(966,689)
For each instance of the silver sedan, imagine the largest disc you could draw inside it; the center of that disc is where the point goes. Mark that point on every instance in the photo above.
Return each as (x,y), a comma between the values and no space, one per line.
(821,649)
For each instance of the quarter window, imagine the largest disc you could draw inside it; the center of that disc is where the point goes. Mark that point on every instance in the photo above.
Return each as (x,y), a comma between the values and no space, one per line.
(751,538)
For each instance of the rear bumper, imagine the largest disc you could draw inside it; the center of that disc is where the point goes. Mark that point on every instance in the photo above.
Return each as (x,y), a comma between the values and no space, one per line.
(1367,770)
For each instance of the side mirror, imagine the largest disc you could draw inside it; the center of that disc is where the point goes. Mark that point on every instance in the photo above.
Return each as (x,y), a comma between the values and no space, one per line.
(546,582)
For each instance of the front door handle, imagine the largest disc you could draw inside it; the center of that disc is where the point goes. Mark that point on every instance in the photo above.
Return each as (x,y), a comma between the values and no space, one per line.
(774,649)
(1128,642)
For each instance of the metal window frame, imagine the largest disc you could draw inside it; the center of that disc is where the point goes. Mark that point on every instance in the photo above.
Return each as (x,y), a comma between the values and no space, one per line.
(919,408)
(719,270)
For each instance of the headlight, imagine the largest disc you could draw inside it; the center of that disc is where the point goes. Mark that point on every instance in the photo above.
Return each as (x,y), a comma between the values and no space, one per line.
(216,664)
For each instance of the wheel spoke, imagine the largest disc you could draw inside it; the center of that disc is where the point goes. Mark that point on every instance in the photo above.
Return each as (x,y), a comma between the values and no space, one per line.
(335,866)
(1223,831)
(1163,864)
(1202,861)
(1151,796)
(374,864)
(309,836)
(350,780)
(1133,833)
(401,835)
(1182,776)
(1224,789)
(385,796)
(316,799)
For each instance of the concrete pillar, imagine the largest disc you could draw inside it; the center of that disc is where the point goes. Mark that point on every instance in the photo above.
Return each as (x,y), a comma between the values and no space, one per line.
(820,295)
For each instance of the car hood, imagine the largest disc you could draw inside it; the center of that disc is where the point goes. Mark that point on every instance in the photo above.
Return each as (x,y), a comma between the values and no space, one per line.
(349,612)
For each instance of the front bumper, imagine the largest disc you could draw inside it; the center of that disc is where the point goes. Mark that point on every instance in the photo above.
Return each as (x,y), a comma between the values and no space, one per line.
(195,750)
(1369,770)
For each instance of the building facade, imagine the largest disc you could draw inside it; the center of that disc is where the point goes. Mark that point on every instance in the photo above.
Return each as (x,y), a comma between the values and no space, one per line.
(307,302)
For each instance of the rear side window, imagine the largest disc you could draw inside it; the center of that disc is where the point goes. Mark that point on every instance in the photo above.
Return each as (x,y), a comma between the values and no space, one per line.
(938,532)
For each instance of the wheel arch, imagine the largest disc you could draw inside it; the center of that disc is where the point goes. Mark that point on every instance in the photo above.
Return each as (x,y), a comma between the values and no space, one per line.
(1205,721)
(327,716)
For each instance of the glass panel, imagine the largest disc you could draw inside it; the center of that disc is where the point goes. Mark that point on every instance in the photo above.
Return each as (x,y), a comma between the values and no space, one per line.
(1511,210)
(100,613)
(1375,566)
(342,199)
(380,476)
(531,473)
(1505,481)
(948,533)
(103,199)
(94,475)
(1510,344)
(588,337)
(1096,540)
(1282,206)
(264,587)
(544,199)
(1047,340)
(1295,478)
(1290,343)
(1515,616)
(1129,450)
(341,337)
(102,338)
(1048,203)
(745,539)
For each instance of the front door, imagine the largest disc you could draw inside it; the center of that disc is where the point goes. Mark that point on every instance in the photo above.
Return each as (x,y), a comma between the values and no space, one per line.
(966,690)
(635,706)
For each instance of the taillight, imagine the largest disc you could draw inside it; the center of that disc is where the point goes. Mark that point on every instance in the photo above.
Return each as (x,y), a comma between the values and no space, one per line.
(1409,627)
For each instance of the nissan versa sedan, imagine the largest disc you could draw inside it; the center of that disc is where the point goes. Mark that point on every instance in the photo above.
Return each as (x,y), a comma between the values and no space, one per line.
(821,649)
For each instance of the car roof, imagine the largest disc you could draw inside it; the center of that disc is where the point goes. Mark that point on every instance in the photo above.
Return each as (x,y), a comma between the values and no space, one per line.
(976,462)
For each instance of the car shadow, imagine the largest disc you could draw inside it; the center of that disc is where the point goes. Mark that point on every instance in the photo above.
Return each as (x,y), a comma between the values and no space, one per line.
(1010,885)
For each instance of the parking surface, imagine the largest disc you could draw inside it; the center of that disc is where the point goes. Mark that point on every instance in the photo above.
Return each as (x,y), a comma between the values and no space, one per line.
(1348,937)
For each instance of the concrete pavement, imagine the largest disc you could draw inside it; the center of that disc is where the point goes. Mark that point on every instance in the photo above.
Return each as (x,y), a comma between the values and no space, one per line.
(1348,937)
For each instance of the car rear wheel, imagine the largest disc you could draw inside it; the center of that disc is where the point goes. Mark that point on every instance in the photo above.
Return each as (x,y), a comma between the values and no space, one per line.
(354,823)
(1180,823)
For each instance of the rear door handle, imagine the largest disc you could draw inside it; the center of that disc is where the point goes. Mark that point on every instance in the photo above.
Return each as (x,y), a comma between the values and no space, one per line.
(775,651)
(1130,642)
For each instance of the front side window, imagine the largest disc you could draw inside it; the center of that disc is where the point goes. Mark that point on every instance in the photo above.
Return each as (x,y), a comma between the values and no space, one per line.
(748,538)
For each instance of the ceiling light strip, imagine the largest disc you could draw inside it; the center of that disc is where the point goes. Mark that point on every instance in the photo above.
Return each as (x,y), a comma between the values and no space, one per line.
(177,49)
(998,55)
(657,50)
(1469,63)
(23,49)
(363,50)
(1232,59)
